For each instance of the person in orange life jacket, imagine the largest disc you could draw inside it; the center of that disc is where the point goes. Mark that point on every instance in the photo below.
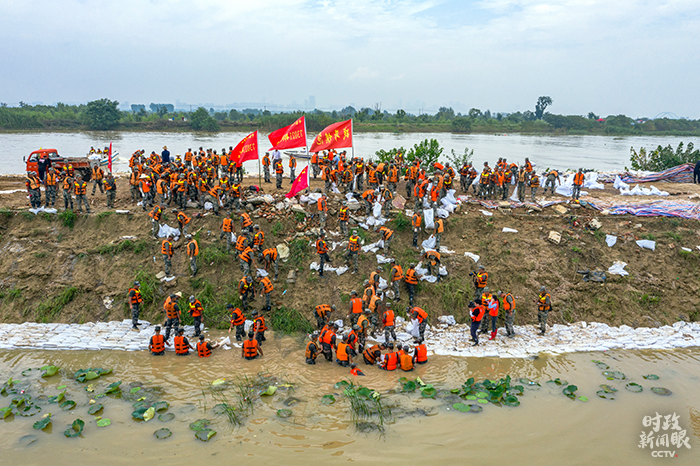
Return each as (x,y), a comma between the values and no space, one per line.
(172,313)
(481,280)
(388,319)
(509,308)
(196,311)
(204,347)
(111,189)
(492,307)
(411,279)
(80,190)
(246,290)
(420,352)
(251,349)
(390,361)
(353,250)
(373,354)
(578,182)
(51,183)
(270,258)
(279,173)
(166,248)
(322,250)
(422,317)
(182,220)
(237,320)
(227,229)
(328,341)
(266,288)
(312,349)
(156,214)
(433,258)
(266,167)
(97,176)
(406,359)
(323,314)
(322,205)
(476,312)
(343,353)
(135,300)
(157,343)
(354,370)
(192,249)
(486,298)
(259,326)
(182,344)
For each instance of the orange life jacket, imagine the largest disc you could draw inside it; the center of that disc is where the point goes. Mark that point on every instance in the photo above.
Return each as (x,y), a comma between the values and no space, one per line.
(372,353)
(50,179)
(246,221)
(578,179)
(406,362)
(342,352)
(311,354)
(421,314)
(137,298)
(356,305)
(169,307)
(180,346)
(157,343)
(542,302)
(267,285)
(321,246)
(391,361)
(396,273)
(250,348)
(80,188)
(506,305)
(388,318)
(203,349)
(259,238)
(440,225)
(327,337)
(322,310)
(227,225)
(166,247)
(237,317)
(354,243)
(196,308)
(421,353)
(246,255)
(240,243)
(260,319)
(411,277)
(193,248)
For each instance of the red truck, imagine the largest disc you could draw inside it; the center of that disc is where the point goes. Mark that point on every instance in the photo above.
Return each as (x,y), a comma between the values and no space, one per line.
(81,165)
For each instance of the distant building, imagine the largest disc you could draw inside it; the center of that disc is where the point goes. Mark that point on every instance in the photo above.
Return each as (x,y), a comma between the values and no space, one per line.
(168,107)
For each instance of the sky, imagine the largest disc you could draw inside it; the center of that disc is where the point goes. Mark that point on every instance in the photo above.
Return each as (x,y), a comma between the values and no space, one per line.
(632,57)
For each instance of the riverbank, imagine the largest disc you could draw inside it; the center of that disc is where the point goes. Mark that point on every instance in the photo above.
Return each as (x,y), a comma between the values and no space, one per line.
(60,268)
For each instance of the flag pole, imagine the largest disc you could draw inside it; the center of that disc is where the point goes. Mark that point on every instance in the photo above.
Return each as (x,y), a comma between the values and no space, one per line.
(352,130)
(257,147)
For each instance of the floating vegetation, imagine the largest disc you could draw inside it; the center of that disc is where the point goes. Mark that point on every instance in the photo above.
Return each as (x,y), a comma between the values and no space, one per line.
(103,422)
(651,377)
(570,391)
(467,408)
(199,424)
(67,405)
(94,409)
(162,433)
(600,364)
(614,375)
(74,429)
(38,425)
(327,399)
(499,393)
(166,417)
(205,434)
(284,413)
(661,391)
(366,409)
(49,371)
(84,375)
(634,387)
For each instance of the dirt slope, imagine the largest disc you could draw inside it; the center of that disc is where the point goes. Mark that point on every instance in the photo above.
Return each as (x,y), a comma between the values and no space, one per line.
(50,272)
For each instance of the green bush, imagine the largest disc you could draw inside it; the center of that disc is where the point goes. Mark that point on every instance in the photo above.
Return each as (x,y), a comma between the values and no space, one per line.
(401,222)
(286,320)
(67,218)
(663,158)
(427,151)
(48,310)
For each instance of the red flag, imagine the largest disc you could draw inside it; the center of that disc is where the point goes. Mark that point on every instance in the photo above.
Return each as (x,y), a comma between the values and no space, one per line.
(333,136)
(300,184)
(247,149)
(289,137)
(109,157)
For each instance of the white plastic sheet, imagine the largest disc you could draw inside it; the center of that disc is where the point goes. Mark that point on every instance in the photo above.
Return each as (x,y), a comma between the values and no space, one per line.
(637,191)
(610,240)
(442,213)
(429,244)
(384,260)
(591,181)
(486,212)
(619,184)
(647,244)
(262,272)
(166,230)
(618,268)
(514,196)
(472,256)
(377,210)
(509,230)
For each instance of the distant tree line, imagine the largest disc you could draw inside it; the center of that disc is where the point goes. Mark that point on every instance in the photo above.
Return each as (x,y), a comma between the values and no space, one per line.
(103,114)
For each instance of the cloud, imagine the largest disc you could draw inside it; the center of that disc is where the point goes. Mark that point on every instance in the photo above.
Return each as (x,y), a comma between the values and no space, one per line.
(363,72)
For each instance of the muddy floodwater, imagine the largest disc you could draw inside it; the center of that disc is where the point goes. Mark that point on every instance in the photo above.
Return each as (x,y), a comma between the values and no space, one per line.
(547,427)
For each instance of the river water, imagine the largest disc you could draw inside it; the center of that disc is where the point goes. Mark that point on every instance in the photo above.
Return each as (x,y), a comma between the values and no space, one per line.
(603,153)
(546,429)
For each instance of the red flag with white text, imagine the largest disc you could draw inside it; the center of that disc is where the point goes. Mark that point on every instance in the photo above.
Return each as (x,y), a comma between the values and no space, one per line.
(247,149)
(300,184)
(289,137)
(109,157)
(333,137)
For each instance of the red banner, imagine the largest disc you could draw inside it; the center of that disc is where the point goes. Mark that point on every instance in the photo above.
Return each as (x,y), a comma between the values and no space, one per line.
(109,158)
(300,184)
(247,149)
(289,137)
(333,137)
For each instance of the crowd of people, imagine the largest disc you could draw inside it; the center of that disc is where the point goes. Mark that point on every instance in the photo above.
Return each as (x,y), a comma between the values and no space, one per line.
(159,182)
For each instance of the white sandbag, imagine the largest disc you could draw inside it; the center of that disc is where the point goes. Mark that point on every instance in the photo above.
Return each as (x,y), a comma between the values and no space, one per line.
(444,250)
(429,278)
(687,249)
(339,323)
(341,270)
(618,268)
(450,197)
(262,273)
(36,211)
(269,199)
(647,244)
(473,256)
(413,328)
(377,210)
(509,230)
(349,197)
(619,184)
(514,196)
(486,212)
(383,285)
(610,240)
(314,266)
(420,270)
(442,270)
(374,247)
(449,320)
(225,341)
(248,325)
(166,230)
(654,192)
(442,213)
(208,206)
(384,260)
(334,189)
(121,211)
(447,206)
(428,219)
(591,181)
(429,244)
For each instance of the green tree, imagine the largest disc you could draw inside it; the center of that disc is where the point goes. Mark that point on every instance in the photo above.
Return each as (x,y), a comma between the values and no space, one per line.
(102,114)
(428,151)
(457,160)
(663,158)
(200,120)
(461,124)
(542,103)
(388,155)
(474,113)
(400,114)
(445,113)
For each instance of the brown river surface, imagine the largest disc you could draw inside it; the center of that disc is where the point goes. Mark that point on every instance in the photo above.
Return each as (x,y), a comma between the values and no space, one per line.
(547,428)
